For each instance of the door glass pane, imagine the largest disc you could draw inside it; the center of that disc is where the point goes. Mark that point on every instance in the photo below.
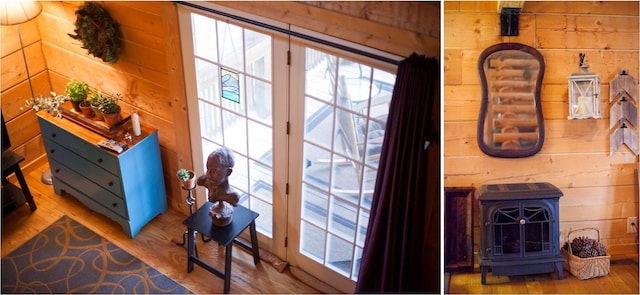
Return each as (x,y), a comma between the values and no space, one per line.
(207,81)
(230,45)
(235,105)
(313,245)
(204,37)
(346,105)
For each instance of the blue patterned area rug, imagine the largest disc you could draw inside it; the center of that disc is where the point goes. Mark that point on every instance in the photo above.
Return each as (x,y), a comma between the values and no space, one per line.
(69,258)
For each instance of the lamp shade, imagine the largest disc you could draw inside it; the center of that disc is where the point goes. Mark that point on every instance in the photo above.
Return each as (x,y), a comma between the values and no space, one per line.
(13,12)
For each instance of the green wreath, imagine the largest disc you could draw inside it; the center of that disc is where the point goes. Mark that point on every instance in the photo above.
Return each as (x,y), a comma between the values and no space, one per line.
(99,33)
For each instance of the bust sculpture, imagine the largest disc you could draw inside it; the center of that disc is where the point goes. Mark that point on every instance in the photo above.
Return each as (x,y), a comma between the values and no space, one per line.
(219,166)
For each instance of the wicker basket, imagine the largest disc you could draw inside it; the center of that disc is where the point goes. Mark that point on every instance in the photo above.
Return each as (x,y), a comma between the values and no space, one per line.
(585,268)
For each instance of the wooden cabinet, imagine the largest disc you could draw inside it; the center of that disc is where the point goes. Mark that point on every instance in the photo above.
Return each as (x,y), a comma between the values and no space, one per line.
(127,187)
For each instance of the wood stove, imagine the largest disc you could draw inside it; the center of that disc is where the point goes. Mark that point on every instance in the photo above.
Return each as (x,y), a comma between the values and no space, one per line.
(519,229)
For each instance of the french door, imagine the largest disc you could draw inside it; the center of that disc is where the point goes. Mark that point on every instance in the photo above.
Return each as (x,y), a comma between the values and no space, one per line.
(233,101)
(341,110)
(305,123)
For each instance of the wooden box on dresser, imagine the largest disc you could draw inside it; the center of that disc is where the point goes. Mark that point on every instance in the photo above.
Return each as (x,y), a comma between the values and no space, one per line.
(126,187)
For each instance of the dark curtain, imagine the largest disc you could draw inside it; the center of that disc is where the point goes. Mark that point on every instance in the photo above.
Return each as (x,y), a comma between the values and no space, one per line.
(402,247)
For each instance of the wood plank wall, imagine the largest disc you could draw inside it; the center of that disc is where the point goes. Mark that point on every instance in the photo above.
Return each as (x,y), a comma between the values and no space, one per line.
(599,190)
(149,72)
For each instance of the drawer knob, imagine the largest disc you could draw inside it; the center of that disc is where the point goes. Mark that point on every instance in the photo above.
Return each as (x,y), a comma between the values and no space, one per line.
(114,205)
(52,151)
(53,135)
(57,170)
(110,183)
(99,160)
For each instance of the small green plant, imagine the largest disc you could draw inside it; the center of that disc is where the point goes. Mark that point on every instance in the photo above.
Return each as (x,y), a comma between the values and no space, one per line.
(77,91)
(110,106)
(95,99)
(50,104)
(183,174)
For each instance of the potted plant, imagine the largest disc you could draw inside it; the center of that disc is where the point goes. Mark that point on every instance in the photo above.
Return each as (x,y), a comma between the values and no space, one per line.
(187,178)
(50,104)
(111,111)
(77,92)
(96,100)
(85,108)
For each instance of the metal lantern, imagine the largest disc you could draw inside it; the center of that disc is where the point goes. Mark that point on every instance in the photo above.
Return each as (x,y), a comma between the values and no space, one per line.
(584,93)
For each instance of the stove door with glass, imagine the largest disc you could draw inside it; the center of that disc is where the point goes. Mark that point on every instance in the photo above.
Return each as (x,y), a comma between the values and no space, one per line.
(519,234)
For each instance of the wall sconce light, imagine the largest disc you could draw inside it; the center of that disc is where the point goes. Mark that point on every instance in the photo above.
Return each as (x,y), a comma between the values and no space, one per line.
(509,17)
(509,21)
(584,93)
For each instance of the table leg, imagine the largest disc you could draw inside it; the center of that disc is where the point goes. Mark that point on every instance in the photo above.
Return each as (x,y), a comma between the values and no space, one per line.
(254,242)
(191,245)
(227,268)
(25,189)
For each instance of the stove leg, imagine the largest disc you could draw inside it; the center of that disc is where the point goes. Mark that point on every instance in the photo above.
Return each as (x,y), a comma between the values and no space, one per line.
(559,269)
(483,270)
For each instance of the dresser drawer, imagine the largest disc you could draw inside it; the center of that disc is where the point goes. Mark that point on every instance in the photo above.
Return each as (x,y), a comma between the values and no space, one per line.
(88,169)
(88,188)
(87,150)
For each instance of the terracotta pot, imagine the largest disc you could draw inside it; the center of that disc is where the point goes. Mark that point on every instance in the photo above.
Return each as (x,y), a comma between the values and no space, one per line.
(189,183)
(86,110)
(112,119)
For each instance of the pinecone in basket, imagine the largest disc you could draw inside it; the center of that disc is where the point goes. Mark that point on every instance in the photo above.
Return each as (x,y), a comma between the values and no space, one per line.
(581,243)
(585,247)
(602,250)
(587,253)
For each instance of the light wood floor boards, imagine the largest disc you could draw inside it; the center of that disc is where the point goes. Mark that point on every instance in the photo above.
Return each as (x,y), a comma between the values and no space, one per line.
(622,279)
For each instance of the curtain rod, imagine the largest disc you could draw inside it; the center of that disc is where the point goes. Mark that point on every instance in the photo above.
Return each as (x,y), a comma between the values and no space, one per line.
(292,33)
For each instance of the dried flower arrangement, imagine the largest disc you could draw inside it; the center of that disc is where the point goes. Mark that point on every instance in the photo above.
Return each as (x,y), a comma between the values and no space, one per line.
(99,33)
(50,104)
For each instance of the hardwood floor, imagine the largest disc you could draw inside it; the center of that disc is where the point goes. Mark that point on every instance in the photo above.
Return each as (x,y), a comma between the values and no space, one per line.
(622,279)
(155,245)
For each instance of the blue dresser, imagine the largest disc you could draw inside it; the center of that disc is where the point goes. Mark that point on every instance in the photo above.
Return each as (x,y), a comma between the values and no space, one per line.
(126,187)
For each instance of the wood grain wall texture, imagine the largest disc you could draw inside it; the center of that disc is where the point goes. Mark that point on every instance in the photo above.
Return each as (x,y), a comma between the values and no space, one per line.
(149,71)
(600,191)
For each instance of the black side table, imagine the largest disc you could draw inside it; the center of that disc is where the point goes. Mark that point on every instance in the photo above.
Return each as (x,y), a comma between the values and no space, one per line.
(226,236)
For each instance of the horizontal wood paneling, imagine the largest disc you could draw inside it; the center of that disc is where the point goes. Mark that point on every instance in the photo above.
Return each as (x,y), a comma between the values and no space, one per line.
(28,31)
(359,30)
(411,16)
(466,30)
(13,65)
(144,94)
(600,190)
(14,98)
(628,8)
(579,170)
(585,32)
